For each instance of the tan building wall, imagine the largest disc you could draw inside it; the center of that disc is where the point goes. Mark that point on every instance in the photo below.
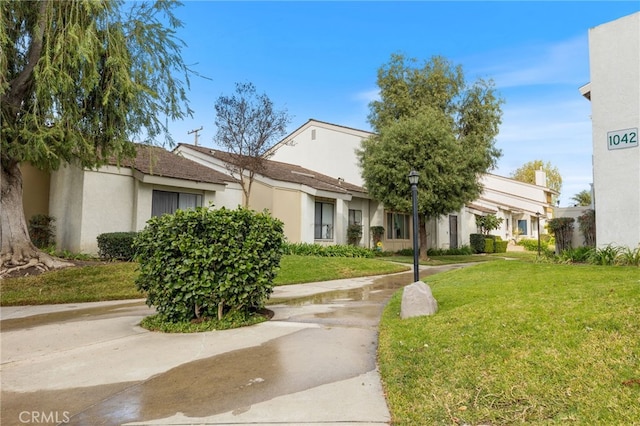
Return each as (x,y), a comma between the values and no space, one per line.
(287,208)
(35,196)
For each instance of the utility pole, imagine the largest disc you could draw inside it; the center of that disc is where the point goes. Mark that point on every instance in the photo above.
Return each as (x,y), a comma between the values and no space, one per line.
(196,132)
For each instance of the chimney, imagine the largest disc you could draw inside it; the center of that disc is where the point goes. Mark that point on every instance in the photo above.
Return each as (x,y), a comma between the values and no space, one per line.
(541,178)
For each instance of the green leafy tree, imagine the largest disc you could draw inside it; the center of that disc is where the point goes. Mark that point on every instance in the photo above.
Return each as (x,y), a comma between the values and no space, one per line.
(429,119)
(248,126)
(582,198)
(527,173)
(488,223)
(79,81)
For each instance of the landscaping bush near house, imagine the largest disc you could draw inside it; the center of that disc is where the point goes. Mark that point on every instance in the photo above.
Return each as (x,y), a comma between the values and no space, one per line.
(116,245)
(201,263)
(42,230)
(477,242)
(308,249)
(354,234)
(460,251)
(500,246)
(489,245)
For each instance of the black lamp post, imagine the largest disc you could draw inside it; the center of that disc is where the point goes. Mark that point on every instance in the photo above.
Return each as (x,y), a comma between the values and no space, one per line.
(538,214)
(413,180)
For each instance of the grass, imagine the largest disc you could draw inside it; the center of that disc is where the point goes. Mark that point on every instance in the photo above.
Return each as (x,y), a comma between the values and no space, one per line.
(303,269)
(239,319)
(516,342)
(115,281)
(111,281)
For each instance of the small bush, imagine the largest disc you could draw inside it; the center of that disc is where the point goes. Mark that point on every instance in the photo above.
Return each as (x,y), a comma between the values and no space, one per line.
(530,244)
(461,251)
(629,257)
(309,249)
(42,230)
(500,246)
(198,264)
(489,244)
(605,256)
(354,234)
(477,242)
(576,255)
(116,245)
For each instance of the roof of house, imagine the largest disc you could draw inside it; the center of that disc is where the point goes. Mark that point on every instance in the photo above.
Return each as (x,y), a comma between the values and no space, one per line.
(287,172)
(157,161)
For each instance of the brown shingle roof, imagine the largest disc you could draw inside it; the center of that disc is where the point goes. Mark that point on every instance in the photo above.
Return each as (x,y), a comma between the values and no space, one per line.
(286,172)
(153,160)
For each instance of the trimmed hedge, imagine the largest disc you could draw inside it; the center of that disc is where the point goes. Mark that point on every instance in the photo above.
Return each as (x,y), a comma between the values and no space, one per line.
(309,249)
(489,245)
(500,246)
(477,243)
(116,245)
(202,263)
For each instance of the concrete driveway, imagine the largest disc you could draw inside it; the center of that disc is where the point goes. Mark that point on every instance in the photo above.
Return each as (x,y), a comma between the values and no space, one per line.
(91,364)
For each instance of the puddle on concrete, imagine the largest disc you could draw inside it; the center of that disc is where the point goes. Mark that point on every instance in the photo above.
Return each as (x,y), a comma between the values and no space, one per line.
(120,309)
(214,385)
(342,348)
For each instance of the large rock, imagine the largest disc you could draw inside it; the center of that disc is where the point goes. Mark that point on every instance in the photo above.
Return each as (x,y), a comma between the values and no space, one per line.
(417,300)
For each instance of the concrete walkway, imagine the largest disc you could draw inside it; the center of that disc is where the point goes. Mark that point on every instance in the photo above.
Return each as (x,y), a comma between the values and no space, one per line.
(91,364)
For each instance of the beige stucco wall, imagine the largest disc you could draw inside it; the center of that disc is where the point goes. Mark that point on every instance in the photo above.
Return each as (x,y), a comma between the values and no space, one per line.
(35,194)
(287,207)
(614,58)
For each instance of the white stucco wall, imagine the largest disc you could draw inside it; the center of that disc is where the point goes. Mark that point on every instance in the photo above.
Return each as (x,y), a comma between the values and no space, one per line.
(325,148)
(614,60)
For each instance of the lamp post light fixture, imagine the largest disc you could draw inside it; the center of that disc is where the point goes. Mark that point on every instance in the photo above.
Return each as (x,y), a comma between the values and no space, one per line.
(538,214)
(413,180)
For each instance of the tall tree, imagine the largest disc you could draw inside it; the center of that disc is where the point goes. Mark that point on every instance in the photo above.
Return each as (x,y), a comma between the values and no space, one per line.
(429,119)
(248,126)
(527,173)
(79,81)
(582,198)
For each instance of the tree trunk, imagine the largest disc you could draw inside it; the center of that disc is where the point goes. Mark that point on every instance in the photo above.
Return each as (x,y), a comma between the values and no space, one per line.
(422,224)
(17,250)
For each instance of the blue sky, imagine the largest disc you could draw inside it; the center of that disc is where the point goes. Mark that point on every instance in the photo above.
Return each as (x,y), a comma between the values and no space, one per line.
(320,59)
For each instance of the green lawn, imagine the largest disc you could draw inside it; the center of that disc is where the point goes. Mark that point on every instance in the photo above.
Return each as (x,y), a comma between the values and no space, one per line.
(115,281)
(517,342)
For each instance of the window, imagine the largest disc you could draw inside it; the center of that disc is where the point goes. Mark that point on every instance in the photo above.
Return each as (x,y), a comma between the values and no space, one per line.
(165,202)
(522,227)
(355,217)
(397,226)
(323,221)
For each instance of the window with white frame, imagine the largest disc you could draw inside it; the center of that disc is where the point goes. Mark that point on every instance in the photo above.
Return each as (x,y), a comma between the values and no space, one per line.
(397,226)
(323,229)
(166,202)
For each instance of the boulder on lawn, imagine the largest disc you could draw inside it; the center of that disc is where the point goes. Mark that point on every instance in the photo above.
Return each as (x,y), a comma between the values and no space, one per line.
(417,300)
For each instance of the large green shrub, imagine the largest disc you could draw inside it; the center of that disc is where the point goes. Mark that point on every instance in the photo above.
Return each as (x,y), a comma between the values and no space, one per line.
(204,263)
(477,242)
(116,245)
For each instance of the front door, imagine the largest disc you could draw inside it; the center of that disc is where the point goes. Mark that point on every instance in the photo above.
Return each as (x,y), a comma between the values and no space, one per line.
(453,232)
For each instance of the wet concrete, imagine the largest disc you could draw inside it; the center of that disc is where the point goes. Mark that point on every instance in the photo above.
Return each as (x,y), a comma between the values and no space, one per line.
(320,341)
